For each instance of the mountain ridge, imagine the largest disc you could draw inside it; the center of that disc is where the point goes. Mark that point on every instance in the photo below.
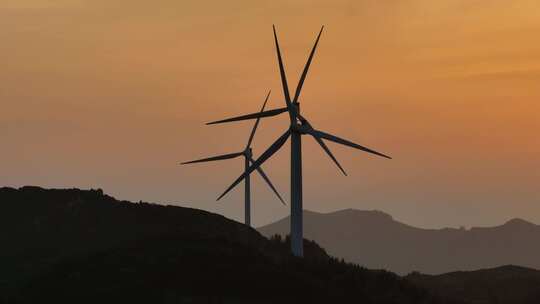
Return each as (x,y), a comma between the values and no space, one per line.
(343,234)
(384,215)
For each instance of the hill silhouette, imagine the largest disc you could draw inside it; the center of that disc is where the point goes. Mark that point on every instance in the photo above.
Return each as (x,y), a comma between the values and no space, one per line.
(501,285)
(375,240)
(81,246)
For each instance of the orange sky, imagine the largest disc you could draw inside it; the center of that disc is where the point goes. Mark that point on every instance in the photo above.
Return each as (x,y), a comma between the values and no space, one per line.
(113,94)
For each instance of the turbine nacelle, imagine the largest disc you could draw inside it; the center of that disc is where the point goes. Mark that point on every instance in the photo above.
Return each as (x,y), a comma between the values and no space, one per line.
(301,128)
(248,152)
(294,109)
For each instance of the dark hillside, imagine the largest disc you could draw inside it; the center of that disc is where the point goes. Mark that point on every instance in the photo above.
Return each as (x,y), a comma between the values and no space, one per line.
(76,246)
(501,285)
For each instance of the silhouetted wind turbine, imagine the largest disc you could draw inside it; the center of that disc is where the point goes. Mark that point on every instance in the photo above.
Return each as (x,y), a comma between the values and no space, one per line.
(299,126)
(248,157)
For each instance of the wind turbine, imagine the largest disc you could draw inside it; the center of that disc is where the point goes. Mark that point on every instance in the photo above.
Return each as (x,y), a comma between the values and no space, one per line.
(299,126)
(247,153)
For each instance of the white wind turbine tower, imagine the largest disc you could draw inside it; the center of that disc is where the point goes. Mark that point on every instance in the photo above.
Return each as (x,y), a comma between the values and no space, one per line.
(299,126)
(247,153)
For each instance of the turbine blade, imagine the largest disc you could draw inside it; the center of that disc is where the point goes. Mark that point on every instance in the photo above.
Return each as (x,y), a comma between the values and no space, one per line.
(345,142)
(257,121)
(283,76)
(327,150)
(263,114)
(306,68)
(266,155)
(267,180)
(214,158)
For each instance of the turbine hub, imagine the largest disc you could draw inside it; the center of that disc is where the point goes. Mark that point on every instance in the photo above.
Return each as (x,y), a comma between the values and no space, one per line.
(302,129)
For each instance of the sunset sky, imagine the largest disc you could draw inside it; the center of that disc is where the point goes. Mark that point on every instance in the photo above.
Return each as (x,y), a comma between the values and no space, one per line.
(113,94)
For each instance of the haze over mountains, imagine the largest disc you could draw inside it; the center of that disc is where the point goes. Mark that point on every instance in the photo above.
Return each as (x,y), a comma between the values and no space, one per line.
(375,240)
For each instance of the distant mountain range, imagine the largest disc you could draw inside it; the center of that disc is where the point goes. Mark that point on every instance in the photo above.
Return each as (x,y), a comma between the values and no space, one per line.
(375,240)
